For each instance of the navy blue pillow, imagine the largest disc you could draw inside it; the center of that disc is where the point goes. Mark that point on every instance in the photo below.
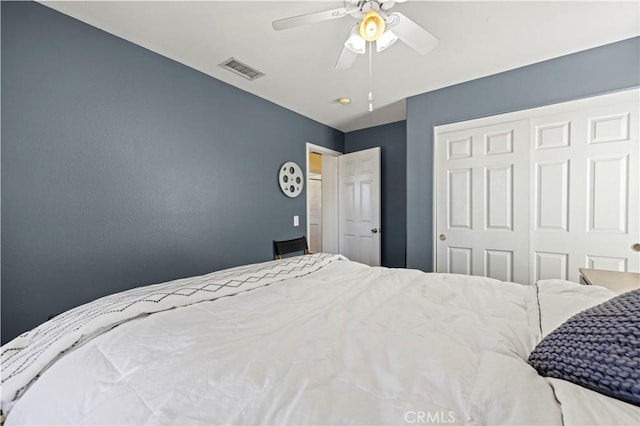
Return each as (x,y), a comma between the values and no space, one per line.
(598,348)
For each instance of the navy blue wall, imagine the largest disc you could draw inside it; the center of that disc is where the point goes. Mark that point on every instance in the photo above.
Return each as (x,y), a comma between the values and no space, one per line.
(592,72)
(121,167)
(391,138)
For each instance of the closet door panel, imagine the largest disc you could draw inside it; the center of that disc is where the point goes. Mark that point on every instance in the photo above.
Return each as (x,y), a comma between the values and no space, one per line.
(482,216)
(586,187)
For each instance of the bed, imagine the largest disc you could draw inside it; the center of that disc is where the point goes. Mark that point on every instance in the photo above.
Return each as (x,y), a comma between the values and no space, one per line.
(312,339)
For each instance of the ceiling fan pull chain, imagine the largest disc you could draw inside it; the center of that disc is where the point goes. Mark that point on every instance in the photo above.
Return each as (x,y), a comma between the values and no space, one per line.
(370,80)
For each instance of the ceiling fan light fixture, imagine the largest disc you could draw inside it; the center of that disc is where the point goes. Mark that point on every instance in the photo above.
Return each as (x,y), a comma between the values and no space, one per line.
(355,43)
(386,40)
(372,26)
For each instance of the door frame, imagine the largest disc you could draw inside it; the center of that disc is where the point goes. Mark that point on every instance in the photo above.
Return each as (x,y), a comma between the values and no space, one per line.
(530,113)
(310,147)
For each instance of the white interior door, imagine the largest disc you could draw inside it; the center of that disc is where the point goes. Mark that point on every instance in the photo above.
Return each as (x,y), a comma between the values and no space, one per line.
(585,191)
(482,195)
(359,206)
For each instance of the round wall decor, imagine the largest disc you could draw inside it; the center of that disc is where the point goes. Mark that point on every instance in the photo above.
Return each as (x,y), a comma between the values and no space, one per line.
(291,179)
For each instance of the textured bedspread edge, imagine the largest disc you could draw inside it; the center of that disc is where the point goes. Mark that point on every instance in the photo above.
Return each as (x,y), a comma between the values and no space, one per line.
(28,355)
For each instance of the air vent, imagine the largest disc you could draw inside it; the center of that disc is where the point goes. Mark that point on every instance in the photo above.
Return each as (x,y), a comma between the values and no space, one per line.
(234,65)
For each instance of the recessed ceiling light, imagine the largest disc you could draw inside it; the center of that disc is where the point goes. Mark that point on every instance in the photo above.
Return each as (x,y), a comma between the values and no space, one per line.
(344,101)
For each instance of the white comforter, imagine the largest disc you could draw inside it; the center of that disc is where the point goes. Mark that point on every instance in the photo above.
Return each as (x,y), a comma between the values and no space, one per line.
(344,344)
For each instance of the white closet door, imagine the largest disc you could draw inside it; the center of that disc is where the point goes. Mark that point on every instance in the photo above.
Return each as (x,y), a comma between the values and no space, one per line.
(585,191)
(482,181)
(541,197)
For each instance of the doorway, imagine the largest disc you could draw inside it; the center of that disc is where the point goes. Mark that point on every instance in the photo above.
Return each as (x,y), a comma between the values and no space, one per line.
(315,202)
(322,199)
(352,226)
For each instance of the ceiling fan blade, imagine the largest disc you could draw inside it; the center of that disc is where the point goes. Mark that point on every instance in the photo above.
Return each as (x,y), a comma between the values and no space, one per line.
(411,33)
(309,18)
(346,59)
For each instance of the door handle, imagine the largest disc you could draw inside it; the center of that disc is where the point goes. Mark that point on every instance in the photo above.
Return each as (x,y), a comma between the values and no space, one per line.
(375,230)
(635,247)
(442,237)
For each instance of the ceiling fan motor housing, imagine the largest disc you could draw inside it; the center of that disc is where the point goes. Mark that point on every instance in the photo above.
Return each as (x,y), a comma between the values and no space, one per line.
(359,8)
(368,6)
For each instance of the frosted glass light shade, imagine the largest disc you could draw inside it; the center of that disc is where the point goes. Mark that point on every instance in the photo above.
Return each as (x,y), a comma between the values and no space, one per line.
(355,43)
(372,26)
(386,40)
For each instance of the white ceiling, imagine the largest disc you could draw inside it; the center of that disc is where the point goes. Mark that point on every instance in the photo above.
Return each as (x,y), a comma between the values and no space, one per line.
(476,39)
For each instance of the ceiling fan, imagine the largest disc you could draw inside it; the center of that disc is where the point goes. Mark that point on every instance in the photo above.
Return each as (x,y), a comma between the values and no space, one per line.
(375,24)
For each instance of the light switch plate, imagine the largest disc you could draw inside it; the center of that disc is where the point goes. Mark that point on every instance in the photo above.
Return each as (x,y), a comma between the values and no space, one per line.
(296,221)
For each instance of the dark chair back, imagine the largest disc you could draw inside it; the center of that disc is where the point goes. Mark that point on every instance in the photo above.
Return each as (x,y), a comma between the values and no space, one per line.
(290,246)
